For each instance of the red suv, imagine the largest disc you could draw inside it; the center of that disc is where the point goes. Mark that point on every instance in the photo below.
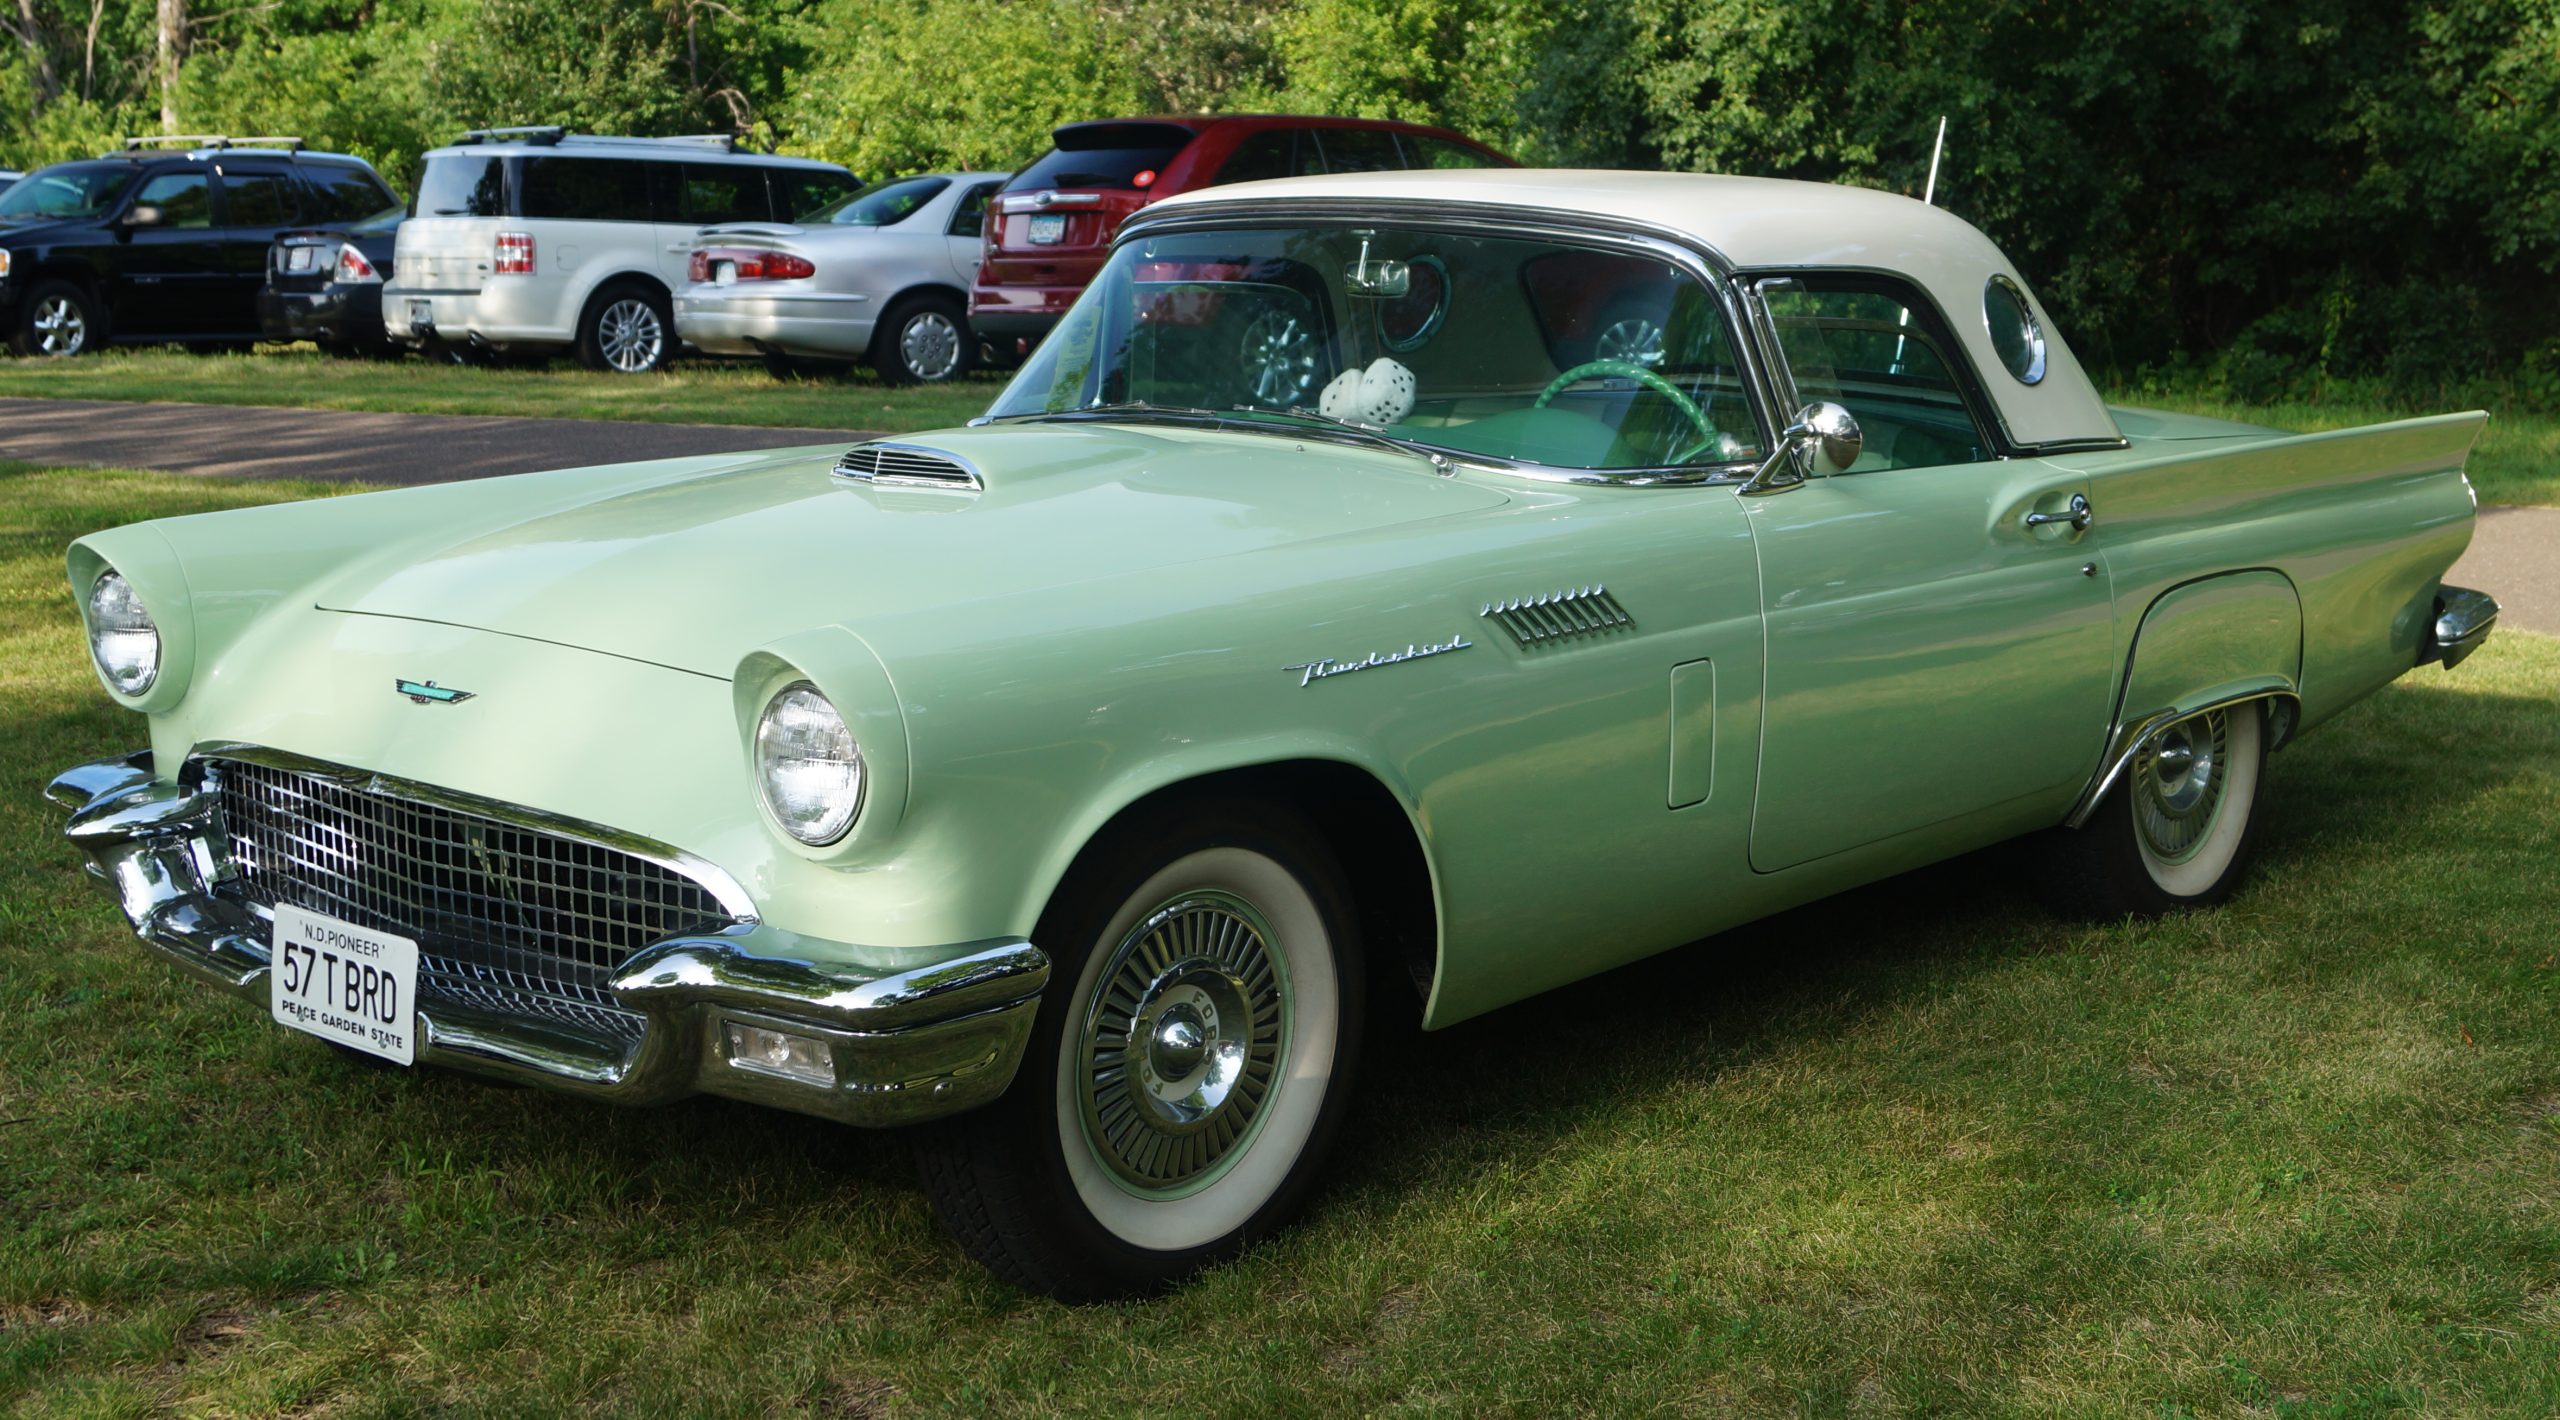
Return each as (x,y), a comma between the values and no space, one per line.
(1052,222)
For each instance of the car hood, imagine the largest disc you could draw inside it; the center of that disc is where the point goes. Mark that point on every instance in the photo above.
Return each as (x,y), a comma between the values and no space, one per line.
(24,229)
(695,570)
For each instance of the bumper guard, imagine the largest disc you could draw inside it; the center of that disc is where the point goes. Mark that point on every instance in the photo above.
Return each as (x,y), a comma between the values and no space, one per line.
(906,1046)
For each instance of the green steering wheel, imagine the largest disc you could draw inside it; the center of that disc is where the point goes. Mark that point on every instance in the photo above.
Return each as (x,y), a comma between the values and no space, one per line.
(1628,369)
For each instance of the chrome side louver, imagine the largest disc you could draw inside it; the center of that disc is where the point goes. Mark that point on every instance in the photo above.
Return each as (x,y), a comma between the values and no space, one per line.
(908,466)
(1578,611)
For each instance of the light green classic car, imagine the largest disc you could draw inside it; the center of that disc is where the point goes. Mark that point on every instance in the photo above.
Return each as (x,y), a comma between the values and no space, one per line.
(1383,595)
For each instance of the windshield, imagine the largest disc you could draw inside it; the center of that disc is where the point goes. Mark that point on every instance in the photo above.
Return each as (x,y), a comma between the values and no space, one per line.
(70,190)
(1528,351)
(884,206)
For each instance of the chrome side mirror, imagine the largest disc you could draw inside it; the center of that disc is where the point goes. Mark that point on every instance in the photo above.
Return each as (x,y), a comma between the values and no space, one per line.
(146,215)
(1824,440)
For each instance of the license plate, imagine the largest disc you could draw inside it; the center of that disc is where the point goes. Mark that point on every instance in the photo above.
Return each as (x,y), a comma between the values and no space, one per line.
(422,315)
(297,259)
(345,983)
(1048,229)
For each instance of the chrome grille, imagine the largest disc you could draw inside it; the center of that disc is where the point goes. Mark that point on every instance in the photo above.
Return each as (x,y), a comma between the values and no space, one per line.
(507,918)
(1580,611)
(907,466)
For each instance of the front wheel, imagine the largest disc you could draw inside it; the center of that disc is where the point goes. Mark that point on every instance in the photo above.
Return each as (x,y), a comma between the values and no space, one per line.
(59,320)
(628,330)
(2176,830)
(1190,1065)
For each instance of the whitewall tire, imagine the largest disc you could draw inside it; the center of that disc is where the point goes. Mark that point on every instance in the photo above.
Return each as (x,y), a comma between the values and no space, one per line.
(2175,830)
(1190,1065)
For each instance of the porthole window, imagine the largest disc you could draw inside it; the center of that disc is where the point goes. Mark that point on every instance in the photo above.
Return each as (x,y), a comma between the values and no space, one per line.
(2015,336)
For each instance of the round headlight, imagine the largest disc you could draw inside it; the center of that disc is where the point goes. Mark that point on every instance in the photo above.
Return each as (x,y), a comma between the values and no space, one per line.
(808,766)
(121,637)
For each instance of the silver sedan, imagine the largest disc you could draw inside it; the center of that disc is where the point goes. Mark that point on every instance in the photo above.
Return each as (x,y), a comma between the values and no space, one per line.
(881,276)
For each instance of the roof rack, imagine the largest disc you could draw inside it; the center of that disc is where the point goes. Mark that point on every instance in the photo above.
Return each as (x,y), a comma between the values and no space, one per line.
(541,133)
(552,135)
(213,140)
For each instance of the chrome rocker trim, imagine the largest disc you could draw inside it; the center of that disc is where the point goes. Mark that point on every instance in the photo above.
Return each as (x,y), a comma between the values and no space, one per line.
(2284,710)
(907,1046)
(2463,620)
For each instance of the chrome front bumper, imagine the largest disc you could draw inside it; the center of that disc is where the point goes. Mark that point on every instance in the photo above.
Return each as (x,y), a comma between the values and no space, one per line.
(906,1046)
(2464,618)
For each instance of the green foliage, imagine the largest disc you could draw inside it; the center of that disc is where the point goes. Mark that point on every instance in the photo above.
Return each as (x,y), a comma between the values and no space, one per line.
(2292,198)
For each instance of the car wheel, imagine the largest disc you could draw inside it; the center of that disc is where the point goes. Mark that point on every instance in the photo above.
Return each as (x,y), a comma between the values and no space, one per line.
(1631,333)
(923,340)
(1189,1067)
(2176,830)
(57,321)
(628,330)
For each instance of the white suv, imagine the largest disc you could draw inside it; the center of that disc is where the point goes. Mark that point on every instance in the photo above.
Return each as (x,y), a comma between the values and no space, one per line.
(536,239)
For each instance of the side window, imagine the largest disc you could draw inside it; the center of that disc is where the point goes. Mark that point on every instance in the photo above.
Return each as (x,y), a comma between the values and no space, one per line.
(1273,153)
(1359,150)
(723,192)
(184,199)
(969,215)
(585,189)
(345,194)
(800,194)
(257,199)
(1871,346)
(1421,152)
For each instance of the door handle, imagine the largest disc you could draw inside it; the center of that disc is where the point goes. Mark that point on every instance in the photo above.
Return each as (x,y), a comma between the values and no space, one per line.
(2078,516)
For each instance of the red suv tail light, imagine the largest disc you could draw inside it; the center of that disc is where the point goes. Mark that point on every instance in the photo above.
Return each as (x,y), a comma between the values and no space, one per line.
(750,264)
(353,267)
(515,254)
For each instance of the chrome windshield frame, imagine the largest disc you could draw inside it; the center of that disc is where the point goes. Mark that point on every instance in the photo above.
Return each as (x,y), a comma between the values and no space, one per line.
(1694,258)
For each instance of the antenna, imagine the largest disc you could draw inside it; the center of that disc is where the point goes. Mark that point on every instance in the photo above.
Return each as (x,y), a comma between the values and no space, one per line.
(1929,195)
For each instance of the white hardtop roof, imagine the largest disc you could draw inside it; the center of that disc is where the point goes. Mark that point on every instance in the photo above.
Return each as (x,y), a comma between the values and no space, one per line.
(1767,224)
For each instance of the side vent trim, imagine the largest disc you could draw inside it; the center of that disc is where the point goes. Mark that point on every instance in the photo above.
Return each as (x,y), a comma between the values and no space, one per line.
(895,465)
(1557,616)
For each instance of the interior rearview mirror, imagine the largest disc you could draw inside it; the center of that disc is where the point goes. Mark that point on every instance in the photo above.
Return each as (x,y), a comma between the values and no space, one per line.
(1378,277)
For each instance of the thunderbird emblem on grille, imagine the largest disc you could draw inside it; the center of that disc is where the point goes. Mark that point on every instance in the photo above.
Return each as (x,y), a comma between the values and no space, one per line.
(427,692)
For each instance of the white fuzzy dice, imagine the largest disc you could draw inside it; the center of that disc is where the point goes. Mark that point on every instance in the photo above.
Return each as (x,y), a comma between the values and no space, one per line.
(1380,395)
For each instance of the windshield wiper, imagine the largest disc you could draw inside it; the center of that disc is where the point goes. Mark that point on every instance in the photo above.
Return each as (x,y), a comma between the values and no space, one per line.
(1367,432)
(1124,409)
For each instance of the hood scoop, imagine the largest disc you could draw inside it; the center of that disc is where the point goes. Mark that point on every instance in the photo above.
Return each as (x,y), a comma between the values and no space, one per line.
(895,465)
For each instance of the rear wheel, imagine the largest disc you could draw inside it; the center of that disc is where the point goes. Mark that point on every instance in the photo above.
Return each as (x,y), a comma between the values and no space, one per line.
(57,321)
(628,329)
(1191,1062)
(923,340)
(2176,830)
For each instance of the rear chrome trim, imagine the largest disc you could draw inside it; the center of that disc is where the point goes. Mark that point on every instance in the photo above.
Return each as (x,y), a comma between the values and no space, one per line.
(2463,620)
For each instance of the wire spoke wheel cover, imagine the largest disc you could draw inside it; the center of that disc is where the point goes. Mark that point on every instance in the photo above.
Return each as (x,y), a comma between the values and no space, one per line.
(930,344)
(2190,793)
(630,335)
(59,325)
(1184,1043)
(1198,1050)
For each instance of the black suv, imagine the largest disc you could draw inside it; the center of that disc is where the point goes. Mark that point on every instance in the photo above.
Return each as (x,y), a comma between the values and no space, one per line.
(154,245)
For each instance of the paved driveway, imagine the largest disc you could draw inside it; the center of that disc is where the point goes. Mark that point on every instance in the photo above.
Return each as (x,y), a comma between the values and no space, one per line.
(237,441)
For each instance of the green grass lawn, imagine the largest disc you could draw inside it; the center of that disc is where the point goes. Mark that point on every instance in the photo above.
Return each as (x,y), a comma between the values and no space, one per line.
(692,392)
(1919,1150)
